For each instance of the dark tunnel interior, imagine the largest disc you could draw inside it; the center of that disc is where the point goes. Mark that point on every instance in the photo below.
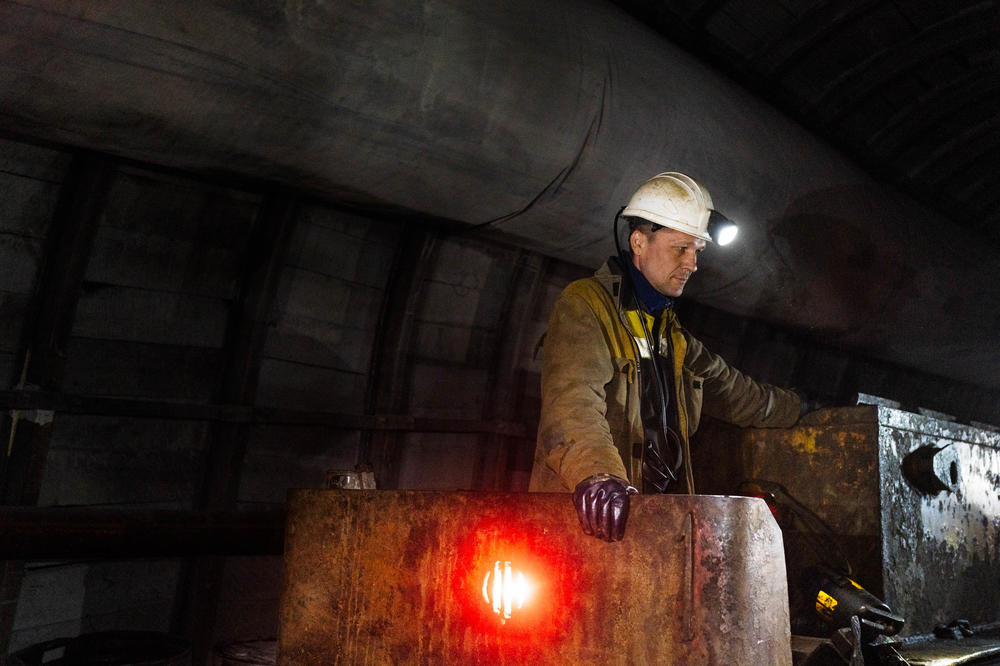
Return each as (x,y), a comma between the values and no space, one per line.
(247,248)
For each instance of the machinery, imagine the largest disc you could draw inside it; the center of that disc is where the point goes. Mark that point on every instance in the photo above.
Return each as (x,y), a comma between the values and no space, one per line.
(891,528)
(409,577)
(824,589)
(879,546)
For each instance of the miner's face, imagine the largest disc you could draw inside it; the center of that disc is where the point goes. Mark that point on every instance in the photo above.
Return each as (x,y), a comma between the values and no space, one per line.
(666,257)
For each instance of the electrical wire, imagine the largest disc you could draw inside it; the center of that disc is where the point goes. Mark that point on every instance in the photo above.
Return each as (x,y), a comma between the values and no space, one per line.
(684,452)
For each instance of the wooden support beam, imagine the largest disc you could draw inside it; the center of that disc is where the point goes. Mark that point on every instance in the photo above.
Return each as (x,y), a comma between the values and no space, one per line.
(245,335)
(70,239)
(33,533)
(198,598)
(703,13)
(69,403)
(501,400)
(853,88)
(66,403)
(978,140)
(386,391)
(814,27)
(931,109)
(27,433)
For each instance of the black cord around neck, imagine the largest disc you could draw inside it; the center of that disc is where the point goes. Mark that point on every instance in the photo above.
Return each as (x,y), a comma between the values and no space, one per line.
(683,456)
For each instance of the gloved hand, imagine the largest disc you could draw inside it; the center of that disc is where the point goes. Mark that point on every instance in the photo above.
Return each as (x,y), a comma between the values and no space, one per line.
(811,403)
(601,503)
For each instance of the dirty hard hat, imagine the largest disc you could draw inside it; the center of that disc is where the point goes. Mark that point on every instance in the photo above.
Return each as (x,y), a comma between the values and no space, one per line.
(678,202)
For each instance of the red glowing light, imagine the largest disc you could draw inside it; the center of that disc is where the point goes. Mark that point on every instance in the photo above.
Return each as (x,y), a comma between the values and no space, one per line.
(510,589)
(527,610)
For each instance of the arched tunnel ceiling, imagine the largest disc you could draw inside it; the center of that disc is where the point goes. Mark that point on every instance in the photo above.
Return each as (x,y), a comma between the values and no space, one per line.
(535,119)
(909,89)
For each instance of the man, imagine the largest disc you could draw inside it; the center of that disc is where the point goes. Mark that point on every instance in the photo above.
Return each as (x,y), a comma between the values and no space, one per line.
(623,384)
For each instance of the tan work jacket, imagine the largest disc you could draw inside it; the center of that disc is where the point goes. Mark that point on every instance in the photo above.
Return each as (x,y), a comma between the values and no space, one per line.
(591,418)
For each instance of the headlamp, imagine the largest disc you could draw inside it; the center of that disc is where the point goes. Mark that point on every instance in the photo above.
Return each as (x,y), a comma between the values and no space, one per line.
(721,228)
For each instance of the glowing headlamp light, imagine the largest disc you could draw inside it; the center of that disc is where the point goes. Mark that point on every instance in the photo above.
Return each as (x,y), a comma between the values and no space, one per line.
(721,229)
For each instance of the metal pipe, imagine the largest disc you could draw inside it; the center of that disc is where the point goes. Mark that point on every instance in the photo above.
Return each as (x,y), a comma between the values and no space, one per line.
(531,118)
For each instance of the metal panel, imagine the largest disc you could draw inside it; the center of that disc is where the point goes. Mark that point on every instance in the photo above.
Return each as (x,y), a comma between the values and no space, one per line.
(933,555)
(941,550)
(398,577)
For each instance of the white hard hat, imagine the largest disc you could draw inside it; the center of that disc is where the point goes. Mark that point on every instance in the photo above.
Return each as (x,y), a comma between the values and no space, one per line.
(675,201)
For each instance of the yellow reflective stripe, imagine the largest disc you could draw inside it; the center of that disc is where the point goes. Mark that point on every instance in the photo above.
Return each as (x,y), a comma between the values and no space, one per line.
(634,325)
(632,319)
(825,604)
(604,307)
(679,345)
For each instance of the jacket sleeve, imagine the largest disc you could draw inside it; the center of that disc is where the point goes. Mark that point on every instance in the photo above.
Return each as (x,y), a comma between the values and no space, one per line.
(574,435)
(731,396)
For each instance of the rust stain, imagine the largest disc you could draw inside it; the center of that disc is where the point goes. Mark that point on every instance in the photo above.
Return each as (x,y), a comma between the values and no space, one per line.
(804,439)
(385,577)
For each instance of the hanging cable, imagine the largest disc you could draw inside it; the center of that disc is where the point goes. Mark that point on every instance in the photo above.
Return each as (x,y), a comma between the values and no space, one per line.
(683,450)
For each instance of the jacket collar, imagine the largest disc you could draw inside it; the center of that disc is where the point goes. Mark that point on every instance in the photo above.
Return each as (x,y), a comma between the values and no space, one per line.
(611,278)
(651,300)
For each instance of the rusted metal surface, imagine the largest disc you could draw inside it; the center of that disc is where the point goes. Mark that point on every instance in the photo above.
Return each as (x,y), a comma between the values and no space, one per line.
(982,648)
(913,501)
(829,464)
(941,550)
(376,577)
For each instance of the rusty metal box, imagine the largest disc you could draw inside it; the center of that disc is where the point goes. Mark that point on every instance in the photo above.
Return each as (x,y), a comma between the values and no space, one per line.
(932,554)
(397,577)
